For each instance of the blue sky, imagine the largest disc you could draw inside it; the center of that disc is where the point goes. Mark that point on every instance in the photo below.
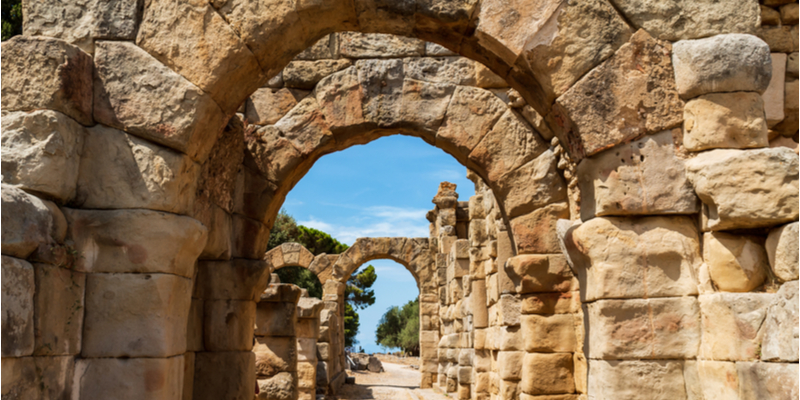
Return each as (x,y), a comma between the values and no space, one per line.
(380,189)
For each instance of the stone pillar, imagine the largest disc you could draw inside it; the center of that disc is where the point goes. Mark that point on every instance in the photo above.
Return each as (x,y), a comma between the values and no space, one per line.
(330,349)
(307,330)
(276,346)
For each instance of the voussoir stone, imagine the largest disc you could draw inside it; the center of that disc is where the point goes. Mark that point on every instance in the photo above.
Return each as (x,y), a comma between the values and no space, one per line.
(424,105)
(41,152)
(782,250)
(722,63)
(637,258)
(135,241)
(763,192)
(504,27)
(725,121)
(532,185)
(780,328)
(735,263)
(470,116)
(686,19)
(266,106)
(40,72)
(135,93)
(18,319)
(122,171)
(631,94)
(136,315)
(645,176)
(26,223)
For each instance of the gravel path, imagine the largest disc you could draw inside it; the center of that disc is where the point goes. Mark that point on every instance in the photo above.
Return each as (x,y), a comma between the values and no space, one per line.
(397,382)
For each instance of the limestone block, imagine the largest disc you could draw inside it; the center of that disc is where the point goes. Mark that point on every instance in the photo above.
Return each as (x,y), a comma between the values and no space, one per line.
(194,327)
(306,352)
(666,328)
(307,328)
(718,380)
(548,333)
(306,374)
(764,192)
(725,120)
(534,233)
(547,374)
(508,363)
(470,116)
(788,127)
(780,328)
(41,152)
(45,73)
(767,381)
(309,308)
(195,41)
(275,319)
(440,70)
(130,378)
(789,14)
(615,103)
(266,106)
(507,338)
(723,63)
(236,279)
(464,375)
(377,45)
(539,273)
(774,95)
(660,380)
(550,303)
(282,386)
(37,377)
(288,293)
(228,325)
(732,325)
(253,194)
(424,104)
(306,74)
(508,310)
(26,223)
(675,19)
(250,237)
(276,354)
(122,171)
(779,38)
(572,26)
(782,250)
(135,93)
(227,374)
(735,263)
(135,241)
(636,258)
(135,315)
(219,223)
(792,65)
(530,186)
(485,78)
(58,301)
(18,307)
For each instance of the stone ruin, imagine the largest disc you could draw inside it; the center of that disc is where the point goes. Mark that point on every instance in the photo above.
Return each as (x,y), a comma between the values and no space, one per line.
(633,234)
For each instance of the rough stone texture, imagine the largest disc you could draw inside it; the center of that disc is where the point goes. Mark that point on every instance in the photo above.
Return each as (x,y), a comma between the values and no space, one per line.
(47,73)
(18,306)
(767,381)
(122,171)
(82,23)
(735,263)
(447,70)
(779,38)
(733,325)
(780,328)
(135,93)
(774,95)
(539,273)
(535,233)
(135,315)
(226,374)
(532,185)
(725,121)
(782,250)
(130,378)
(641,177)
(630,95)
(58,300)
(276,319)
(135,241)
(266,106)
(722,63)
(282,386)
(660,380)
(666,328)
(41,152)
(764,192)
(471,115)
(228,325)
(686,19)
(275,355)
(548,333)
(377,45)
(37,377)
(571,43)
(788,127)
(547,374)
(306,74)
(637,258)
(505,27)
(26,223)
(237,279)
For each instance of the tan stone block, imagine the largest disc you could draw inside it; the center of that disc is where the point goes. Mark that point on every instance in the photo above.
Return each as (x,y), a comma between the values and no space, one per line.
(508,363)
(470,116)
(508,310)
(237,279)
(37,377)
(307,328)
(26,223)
(661,380)
(18,302)
(782,250)
(228,325)
(276,354)
(719,379)
(220,225)
(306,74)
(780,343)
(266,106)
(774,95)
(534,233)
(732,325)
(767,381)
(547,374)
(306,375)
(539,273)
(424,103)
(550,303)
(735,263)
(131,378)
(275,319)
(227,374)
(282,386)
(552,333)
(779,38)
(59,305)
(727,120)
(531,185)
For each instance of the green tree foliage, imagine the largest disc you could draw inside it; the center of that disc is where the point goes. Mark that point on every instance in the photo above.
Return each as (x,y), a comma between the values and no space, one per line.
(11,11)
(303,278)
(351,325)
(357,296)
(319,242)
(399,327)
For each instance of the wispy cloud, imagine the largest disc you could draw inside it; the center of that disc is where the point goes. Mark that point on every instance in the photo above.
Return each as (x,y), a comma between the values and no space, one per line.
(376,221)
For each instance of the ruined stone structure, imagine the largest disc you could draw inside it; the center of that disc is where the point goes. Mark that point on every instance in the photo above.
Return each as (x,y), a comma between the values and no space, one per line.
(639,181)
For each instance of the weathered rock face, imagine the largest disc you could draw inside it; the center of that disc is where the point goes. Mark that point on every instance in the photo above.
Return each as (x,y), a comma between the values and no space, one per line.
(130,377)
(639,178)
(26,223)
(534,233)
(539,273)
(661,380)
(237,279)
(769,381)
(532,185)
(18,292)
(723,63)
(41,152)
(782,250)
(780,328)
(58,322)
(725,121)
(306,74)
(47,73)
(471,115)
(279,387)
(637,258)
(376,45)
(630,95)
(733,325)
(266,106)
(228,325)
(764,192)
(735,263)
(135,93)
(225,374)
(38,377)
(679,19)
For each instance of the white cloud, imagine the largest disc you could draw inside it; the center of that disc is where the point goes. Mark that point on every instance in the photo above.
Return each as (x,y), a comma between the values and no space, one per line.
(376,221)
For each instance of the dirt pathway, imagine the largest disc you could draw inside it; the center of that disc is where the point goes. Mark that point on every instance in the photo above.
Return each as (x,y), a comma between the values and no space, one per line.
(397,382)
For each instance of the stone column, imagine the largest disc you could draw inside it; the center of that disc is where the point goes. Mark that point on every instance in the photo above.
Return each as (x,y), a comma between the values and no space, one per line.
(307,330)
(276,346)
(330,349)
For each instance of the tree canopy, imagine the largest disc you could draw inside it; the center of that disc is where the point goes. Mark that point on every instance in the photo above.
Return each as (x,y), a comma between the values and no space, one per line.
(11,18)
(399,327)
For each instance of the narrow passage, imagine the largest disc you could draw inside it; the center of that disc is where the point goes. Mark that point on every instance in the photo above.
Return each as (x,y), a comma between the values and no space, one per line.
(397,382)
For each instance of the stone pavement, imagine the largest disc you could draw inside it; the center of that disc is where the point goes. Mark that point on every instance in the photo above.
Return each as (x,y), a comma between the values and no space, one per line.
(397,382)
